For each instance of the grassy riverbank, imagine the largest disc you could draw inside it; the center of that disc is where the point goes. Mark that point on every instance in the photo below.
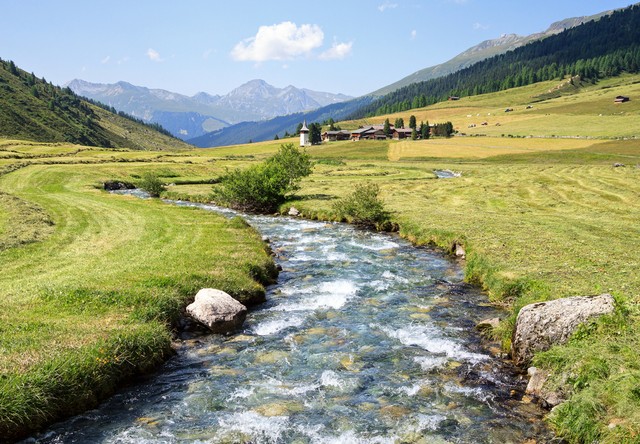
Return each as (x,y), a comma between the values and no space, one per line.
(540,219)
(91,282)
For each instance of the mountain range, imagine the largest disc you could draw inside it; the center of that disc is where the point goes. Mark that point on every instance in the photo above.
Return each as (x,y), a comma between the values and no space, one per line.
(189,117)
(241,133)
(36,110)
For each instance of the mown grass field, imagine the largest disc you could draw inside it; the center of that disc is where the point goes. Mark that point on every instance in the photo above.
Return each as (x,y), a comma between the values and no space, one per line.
(91,282)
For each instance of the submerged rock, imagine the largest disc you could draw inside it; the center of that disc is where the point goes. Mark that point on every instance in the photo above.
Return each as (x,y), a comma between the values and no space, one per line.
(487,326)
(542,325)
(535,387)
(217,310)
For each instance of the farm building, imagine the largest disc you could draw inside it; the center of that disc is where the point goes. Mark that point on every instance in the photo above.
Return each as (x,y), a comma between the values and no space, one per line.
(402,133)
(332,136)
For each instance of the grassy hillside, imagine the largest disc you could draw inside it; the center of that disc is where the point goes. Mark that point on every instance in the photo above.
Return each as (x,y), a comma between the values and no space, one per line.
(595,50)
(558,109)
(33,109)
(92,282)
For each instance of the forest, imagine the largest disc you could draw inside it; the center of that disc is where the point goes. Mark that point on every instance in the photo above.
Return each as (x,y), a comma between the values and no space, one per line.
(598,49)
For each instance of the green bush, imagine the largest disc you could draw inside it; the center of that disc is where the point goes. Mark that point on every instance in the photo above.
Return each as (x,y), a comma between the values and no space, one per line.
(263,187)
(151,184)
(363,207)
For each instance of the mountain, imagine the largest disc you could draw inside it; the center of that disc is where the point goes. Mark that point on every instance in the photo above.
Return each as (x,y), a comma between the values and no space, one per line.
(484,50)
(188,117)
(243,132)
(267,129)
(593,50)
(33,109)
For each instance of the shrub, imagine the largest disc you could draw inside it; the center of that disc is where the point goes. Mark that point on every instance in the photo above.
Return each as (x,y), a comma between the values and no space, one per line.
(263,187)
(151,184)
(364,207)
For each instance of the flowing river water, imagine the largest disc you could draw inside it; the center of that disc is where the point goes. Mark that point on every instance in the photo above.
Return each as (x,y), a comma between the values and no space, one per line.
(365,339)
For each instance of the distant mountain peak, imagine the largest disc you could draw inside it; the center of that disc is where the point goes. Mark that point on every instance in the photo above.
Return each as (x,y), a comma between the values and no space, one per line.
(188,117)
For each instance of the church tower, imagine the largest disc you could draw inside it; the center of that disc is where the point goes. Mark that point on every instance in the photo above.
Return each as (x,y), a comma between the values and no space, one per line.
(304,135)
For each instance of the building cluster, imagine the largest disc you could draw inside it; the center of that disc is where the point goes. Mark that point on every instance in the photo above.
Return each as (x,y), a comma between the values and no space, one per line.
(372,132)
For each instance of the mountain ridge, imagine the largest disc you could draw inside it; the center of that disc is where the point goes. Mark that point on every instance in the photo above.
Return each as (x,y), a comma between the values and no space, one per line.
(484,50)
(36,110)
(253,100)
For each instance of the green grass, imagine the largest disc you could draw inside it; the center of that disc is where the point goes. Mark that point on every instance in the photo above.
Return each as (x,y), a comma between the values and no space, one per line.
(536,226)
(91,283)
(539,218)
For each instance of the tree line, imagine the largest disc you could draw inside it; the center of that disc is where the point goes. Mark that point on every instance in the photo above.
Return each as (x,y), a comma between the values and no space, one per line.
(73,108)
(597,49)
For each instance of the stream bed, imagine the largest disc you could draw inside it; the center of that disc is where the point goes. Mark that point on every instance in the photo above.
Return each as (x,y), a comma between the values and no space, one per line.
(365,339)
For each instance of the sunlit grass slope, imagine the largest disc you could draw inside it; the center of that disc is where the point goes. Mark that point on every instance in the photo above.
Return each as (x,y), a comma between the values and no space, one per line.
(558,109)
(91,282)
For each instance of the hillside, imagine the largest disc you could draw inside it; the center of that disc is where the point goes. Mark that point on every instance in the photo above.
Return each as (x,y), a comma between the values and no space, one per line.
(190,117)
(593,50)
(417,90)
(484,50)
(33,109)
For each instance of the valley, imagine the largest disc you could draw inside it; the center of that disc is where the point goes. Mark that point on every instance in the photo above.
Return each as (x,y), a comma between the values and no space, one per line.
(539,204)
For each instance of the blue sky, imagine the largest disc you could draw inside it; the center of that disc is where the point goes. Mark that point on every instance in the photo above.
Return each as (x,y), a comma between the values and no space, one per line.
(349,46)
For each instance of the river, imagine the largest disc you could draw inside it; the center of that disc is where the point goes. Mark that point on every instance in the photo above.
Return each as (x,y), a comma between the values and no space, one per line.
(365,339)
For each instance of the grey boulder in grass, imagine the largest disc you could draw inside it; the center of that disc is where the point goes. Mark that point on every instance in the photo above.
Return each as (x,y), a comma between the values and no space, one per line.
(545,324)
(217,310)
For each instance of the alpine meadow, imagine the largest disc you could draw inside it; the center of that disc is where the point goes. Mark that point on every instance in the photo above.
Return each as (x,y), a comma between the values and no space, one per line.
(517,175)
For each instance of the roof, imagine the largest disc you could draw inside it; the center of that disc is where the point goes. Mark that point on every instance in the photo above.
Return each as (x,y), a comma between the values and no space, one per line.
(362,130)
(304,127)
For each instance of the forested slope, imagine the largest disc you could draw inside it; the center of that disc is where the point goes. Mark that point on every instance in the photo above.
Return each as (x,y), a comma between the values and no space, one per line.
(36,110)
(594,50)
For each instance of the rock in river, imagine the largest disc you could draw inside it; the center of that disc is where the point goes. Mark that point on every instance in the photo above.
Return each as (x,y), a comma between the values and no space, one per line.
(217,310)
(542,325)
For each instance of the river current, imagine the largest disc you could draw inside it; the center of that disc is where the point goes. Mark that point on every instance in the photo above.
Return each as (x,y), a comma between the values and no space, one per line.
(365,339)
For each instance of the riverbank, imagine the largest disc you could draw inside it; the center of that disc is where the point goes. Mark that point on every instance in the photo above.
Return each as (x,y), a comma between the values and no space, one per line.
(92,284)
(361,326)
(539,220)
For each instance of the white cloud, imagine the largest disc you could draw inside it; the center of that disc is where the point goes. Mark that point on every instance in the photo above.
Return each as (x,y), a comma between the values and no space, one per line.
(123,60)
(283,41)
(479,26)
(414,34)
(387,5)
(105,60)
(154,55)
(337,52)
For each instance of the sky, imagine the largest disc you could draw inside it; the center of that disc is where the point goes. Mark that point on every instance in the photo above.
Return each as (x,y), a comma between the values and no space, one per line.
(350,46)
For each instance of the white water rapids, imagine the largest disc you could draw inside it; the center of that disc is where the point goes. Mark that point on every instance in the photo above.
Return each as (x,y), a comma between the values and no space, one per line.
(365,339)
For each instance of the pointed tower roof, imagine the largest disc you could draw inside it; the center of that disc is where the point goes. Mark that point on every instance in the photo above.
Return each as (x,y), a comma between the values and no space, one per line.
(304,128)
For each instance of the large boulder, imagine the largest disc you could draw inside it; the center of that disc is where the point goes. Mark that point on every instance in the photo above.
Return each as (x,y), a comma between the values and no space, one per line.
(217,310)
(542,325)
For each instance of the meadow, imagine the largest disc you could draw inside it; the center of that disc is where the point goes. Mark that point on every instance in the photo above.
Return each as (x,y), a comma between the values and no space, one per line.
(93,282)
